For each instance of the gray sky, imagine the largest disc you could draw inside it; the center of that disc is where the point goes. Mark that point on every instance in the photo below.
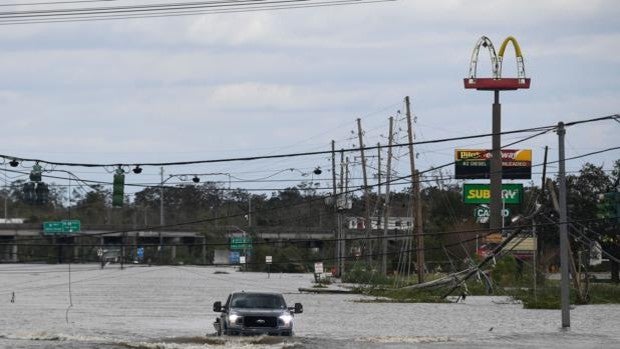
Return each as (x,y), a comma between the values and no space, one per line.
(228,85)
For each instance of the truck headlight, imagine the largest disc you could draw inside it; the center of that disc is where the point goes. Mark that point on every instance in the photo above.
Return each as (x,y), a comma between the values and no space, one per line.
(286,319)
(232,318)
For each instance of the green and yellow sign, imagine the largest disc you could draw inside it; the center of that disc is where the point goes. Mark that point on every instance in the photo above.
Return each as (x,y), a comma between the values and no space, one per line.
(474,193)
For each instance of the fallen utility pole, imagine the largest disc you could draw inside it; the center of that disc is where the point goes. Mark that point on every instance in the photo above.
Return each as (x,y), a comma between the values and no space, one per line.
(486,260)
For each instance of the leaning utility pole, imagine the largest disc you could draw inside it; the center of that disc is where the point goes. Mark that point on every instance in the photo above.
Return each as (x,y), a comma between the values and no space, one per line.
(565,301)
(386,208)
(367,223)
(343,194)
(415,195)
(335,202)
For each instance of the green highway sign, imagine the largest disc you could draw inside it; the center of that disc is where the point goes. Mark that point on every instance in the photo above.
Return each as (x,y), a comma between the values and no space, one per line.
(240,243)
(52,227)
(71,226)
(62,227)
(474,193)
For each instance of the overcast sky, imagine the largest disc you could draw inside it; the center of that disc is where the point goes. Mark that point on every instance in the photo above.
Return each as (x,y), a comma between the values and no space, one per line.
(228,85)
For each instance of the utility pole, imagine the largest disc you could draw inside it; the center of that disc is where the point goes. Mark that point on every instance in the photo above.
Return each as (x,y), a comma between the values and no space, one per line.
(334,195)
(161,213)
(367,225)
(565,301)
(378,172)
(344,170)
(386,208)
(250,211)
(415,196)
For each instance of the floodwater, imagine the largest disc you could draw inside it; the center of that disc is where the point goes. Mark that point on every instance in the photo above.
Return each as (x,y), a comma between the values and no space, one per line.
(170,307)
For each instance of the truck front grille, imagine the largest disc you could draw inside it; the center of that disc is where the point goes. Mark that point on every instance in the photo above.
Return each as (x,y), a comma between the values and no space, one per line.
(260,321)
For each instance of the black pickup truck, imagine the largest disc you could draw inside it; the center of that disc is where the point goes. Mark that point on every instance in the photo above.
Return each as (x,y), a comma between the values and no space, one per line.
(255,313)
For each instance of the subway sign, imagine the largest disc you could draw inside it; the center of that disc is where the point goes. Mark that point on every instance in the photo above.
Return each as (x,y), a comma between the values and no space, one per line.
(474,193)
(476,164)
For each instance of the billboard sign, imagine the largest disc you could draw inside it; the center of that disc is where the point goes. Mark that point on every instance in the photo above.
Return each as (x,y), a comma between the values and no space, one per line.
(476,193)
(475,163)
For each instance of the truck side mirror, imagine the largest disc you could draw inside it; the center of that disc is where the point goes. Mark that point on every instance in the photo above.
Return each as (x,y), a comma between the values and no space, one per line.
(217,306)
(299,308)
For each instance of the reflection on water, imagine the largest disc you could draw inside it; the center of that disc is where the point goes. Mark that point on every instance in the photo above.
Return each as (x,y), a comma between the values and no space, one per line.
(170,307)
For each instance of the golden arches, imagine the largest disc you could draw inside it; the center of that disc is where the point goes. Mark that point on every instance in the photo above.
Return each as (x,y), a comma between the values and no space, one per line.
(515,44)
(496,59)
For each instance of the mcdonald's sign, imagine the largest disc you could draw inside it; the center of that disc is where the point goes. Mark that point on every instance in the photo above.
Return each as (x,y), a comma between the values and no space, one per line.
(496,81)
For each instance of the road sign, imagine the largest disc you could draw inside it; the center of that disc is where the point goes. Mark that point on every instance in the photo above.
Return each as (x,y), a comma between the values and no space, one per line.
(233,257)
(476,193)
(140,252)
(268,259)
(240,243)
(52,227)
(64,226)
(242,260)
(483,211)
(318,267)
(71,226)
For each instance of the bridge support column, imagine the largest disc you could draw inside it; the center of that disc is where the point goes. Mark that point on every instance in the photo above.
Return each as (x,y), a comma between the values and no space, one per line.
(173,249)
(76,249)
(15,258)
(204,250)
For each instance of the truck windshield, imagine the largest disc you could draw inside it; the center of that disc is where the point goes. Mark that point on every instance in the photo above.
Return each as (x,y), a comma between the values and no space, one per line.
(264,301)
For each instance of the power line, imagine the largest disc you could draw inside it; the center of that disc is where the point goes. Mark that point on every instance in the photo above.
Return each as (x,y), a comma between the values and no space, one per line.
(542,129)
(53,3)
(250,158)
(97,15)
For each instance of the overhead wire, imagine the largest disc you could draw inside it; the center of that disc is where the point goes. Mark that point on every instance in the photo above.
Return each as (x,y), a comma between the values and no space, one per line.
(542,129)
(275,156)
(94,15)
(321,198)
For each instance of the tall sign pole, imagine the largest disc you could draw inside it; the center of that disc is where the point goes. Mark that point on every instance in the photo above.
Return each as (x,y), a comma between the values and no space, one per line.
(496,166)
(496,83)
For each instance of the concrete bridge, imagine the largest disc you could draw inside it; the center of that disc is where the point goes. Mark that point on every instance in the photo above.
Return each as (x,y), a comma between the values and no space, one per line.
(93,237)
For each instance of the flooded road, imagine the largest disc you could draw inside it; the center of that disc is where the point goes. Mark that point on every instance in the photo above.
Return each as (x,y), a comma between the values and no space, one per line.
(170,307)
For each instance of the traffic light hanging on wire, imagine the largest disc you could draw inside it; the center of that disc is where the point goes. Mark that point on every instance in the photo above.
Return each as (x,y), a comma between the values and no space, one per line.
(42,193)
(118,188)
(35,174)
(29,193)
